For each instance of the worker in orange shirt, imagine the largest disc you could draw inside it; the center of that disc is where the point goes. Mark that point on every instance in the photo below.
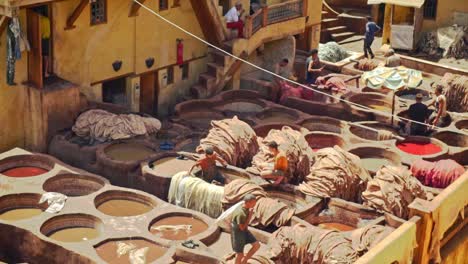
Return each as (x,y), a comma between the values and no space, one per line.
(280,166)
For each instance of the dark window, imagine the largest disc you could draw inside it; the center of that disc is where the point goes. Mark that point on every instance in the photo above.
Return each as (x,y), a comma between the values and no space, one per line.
(185,71)
(114,91)
(170,75)
(98,12)
(163,4)
(430,9)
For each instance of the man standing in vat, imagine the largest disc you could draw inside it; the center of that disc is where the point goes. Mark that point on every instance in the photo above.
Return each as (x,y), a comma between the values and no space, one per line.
(205,168)
(280,166)
(313,69)
(418,112)
(240,234)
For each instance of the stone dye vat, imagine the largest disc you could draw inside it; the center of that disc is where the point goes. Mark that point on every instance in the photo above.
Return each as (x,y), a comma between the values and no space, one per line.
(462,125)
(452,139)
(128,151)
(374,101)
(263,130)
(23,166)
(277,115)
(15,207)
(74,185)
(323,124)
(373,158)
(177,226)
(72,228)
(320,140)
(370,135)
(422,146)
(108,250)
(121,203)
(170,165)
(409,95)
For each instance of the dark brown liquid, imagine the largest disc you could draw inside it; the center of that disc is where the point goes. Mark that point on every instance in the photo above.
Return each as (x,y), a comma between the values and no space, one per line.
(121,207)
(336,226)
(128,152)
(108,251)
(171,165)
(75,234)
(20,213)
(198,227)
(278,118)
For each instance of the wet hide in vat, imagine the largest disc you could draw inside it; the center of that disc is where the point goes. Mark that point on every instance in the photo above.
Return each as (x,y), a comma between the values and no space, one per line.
(367,64)
(237,189)
(196,194)
(438,174)
(234,140)
(293,144)
(392,190)
(313,245)
(336,173)
(100,125)
(368,237)
(269,211)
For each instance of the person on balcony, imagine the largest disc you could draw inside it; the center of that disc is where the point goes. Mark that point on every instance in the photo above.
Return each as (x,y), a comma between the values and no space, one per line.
(233,19)
(371,29)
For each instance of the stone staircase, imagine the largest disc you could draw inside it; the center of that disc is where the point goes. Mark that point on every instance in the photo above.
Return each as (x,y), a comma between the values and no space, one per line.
(334,29)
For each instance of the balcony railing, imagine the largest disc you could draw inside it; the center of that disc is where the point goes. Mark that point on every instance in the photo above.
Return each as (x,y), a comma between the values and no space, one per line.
(274,14)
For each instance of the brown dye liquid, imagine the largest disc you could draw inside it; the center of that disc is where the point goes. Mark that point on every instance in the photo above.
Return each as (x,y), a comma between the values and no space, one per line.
(108,251)
(171,165)
(242,107)
(198,227)
(75,234)
(336,226)
(20,213)
(128,152)
(278,118)
(374,164)
(121,207)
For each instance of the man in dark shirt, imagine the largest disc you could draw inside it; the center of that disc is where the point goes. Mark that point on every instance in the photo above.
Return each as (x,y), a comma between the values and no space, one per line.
(240,234)
(418,112)
(371,29)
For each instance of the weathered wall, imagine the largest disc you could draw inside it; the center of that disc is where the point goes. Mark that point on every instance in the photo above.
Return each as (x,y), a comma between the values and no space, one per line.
(445,10)
(348,3)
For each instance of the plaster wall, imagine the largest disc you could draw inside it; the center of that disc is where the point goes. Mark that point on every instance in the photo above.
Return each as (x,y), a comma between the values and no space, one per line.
(445,12)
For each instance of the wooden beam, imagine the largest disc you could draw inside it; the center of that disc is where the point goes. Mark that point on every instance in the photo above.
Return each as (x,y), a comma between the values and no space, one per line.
(3,23)
(134,8)
(76,13)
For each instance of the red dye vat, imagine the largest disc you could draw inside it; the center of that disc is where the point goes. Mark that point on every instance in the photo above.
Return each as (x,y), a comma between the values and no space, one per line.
(20,172)
(419,148)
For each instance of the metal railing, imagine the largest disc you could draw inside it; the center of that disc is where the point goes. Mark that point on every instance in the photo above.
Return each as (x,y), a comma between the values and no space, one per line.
(272,14)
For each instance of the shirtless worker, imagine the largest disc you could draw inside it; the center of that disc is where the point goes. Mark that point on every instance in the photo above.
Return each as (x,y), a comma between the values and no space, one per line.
(280,166)
(205,168)
(240,234)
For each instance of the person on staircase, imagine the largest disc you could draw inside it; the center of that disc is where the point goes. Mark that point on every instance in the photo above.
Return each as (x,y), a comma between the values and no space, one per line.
(371,29)
(233,19)
(206,169)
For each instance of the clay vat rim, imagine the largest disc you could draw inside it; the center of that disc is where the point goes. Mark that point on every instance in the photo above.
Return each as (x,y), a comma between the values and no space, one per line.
(371,150)
(67,221)
(110,195)
(458,124)
(340,125)
(218,105)
(399,115)
(102,155)
(442,145)
(343,143)
(413,91)
(27,160)
(366,123)
(385,99)
(16,201)
(288,111)
(70,176)
(452,133)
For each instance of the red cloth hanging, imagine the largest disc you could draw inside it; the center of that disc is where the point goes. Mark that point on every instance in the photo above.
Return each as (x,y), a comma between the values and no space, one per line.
(180,53)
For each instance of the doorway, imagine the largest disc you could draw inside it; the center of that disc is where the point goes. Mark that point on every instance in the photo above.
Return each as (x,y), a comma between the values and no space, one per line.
(149,93)
(114,91)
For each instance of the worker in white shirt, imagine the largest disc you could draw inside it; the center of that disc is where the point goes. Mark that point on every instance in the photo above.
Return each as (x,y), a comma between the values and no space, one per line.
(233,19)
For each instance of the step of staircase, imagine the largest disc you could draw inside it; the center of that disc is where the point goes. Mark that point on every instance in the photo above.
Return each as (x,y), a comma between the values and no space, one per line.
(218,57)
(337,37)
(326,14)
(198,91)
(335,30)
(351,39)
(207,80)
(214,68)
(330,22)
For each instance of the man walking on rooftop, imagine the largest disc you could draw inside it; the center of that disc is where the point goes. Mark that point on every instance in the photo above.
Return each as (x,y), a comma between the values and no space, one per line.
(371,29)
(233,19)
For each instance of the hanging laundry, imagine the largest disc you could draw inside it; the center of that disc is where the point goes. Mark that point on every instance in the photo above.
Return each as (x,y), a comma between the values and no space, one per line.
(11,58)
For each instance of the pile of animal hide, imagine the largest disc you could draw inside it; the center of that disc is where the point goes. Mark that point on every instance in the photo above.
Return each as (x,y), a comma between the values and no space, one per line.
(453,41)
(237,189)
(100,125)
(332,52)
(456,92)
(270,211)
(368,237)
(289,90)
(293,144)
(438,174)
(234,140)
(336,173)
(367,64)
(196,194)
(309,244)
(333,83)
(392,190)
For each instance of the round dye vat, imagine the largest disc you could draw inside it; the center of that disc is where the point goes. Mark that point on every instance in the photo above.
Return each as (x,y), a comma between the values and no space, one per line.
(264,130)
(171,165)
(242,107)
(277,116)
(370,134)
(320,140)
(73,185)
(122,207)
(410,94)
(167,231)
(108,251)
(419,148)
(373,158)
(378,107)
(452,139)
(336,226)
(23,172)
(128,152)
(20,214)
(75,234)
